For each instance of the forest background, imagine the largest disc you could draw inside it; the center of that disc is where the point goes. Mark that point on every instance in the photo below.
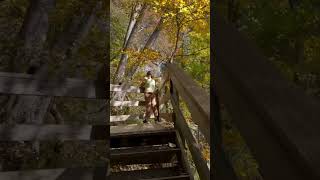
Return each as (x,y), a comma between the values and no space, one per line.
(68,39)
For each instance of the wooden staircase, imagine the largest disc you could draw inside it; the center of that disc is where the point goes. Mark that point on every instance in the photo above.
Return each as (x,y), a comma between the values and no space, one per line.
(152,144)
(145,151)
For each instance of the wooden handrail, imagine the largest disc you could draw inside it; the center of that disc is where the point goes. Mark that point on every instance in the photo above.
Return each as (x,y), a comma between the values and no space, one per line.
(198,104)
(197,100)
(279,122)
(200,162)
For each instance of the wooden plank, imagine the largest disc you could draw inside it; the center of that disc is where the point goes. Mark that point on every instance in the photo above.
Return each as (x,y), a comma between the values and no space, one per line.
(102,81)
(184,157)
(272,115)
(148,174)
(180,177)
(122,118)
(196,98)
(23,132)
(159,138)
(146,138)
(138,129)
(50,174)
(127,103)
(121,88)
(199,161)
(221,166)
(143,155)
(25,84)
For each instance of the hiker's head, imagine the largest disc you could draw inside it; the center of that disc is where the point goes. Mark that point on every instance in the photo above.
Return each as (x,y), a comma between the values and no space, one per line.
(149,74)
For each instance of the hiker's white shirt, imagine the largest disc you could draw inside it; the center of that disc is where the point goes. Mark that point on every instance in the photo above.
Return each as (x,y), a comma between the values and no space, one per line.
(150,85)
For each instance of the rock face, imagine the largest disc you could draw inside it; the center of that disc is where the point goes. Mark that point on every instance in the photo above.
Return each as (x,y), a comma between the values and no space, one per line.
(155,69)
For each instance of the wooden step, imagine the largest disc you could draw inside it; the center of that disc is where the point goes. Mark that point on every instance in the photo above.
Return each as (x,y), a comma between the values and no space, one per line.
(138,129)
(144,155)
(132,117)
(160,137)
(123,88)
(127,103)
(138,135)
(159,173)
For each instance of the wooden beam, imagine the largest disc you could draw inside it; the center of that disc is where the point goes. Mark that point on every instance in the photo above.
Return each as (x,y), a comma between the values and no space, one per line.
(143,155)
(142,139)
(138,135)
(196,98)
(156,173)
(123,118)
(121,88)
(24,132)
(199,161)
(279,122)
(184,156)
(138,129)
(101,82)
(127,103)
(25,84)
(180,177)
(51,174)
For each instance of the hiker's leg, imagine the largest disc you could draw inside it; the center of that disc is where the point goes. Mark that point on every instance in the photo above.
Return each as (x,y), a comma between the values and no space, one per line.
(154,105)
(148,105)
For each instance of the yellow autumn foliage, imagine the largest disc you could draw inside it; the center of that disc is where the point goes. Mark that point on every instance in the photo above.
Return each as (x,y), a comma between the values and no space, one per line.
(141,57)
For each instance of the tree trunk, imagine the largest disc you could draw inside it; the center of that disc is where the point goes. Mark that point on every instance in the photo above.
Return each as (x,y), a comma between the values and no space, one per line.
(35,27)
(33,35)
(120,96)
(151,39)
(78,28)
(136,16)
(175,50)
(26,109)
(31,109)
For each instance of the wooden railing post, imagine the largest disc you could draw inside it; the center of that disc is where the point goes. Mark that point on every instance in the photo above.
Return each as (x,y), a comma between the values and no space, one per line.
(102,146)
(175,95)
(222,169)
(158,105)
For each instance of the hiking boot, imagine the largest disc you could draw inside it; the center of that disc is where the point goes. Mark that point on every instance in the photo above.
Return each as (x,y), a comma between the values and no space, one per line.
(158,119)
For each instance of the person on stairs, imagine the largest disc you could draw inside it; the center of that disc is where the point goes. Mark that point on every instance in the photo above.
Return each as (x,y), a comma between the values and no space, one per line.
(149,87)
